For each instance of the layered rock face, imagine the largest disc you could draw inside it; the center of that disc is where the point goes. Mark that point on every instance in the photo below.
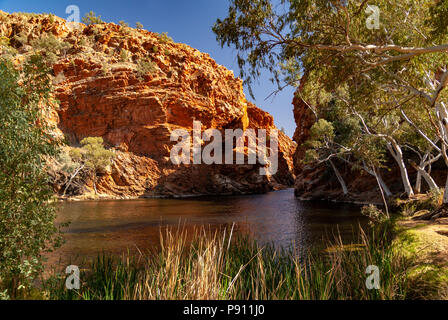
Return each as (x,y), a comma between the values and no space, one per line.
(133,88)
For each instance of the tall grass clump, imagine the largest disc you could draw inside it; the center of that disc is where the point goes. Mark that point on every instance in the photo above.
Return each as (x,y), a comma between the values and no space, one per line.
(214,266)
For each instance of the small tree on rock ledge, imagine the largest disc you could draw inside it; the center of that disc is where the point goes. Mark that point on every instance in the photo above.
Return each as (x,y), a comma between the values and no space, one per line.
(92,157)
(96,157)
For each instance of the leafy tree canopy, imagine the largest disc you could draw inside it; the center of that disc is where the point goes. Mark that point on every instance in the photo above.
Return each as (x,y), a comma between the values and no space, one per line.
(26,211)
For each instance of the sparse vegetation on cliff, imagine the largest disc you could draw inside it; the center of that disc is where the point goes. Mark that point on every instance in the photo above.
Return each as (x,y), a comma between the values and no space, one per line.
(144,67)
(50,47)
(124,55)
(165,38)
(94,156)
(91,18)
(123,23)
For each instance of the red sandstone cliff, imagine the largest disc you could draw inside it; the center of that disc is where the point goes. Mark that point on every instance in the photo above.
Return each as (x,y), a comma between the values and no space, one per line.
(133,88)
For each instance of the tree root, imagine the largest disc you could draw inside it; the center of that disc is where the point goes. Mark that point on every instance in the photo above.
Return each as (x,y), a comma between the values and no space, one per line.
(441,212)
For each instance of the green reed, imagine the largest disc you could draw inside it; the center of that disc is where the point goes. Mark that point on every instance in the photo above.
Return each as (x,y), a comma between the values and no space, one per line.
(215,265)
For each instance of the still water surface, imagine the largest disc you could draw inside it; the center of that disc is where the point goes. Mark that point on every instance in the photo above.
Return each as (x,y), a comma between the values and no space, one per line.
(277,217)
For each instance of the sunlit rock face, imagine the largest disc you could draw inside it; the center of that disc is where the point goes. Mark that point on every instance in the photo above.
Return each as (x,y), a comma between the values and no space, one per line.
(133,88)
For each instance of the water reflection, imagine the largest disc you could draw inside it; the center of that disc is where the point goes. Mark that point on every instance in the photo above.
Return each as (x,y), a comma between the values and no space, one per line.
(277,217)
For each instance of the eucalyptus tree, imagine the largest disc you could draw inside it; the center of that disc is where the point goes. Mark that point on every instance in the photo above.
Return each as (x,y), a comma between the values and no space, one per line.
(427,151)
(432,108)
(387,128)
(343,135)
(322,148)
(27,212)
(328,45)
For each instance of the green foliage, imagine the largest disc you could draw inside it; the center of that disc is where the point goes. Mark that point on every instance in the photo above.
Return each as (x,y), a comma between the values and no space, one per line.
(19,39)
(437,20)
(75,154)
(67,162)
(322,130)
(92,157)
(91,18)
(311,155)
(124,55)
(8,52)
(26,211)
(320,141)
(375,215)
(123,23)
(82,42)
(4,41)
(284,39)
(139,26)
(430,202)
(409,209)
(50,46)
(51,18)
(145,66)
(95,156)
(435,198)
(165,38)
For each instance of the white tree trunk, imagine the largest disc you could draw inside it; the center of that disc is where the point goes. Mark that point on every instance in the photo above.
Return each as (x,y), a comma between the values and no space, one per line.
(445,158)
(381,191)
(429,180)
(396,152)
(421,172)
(405,178)
(445,193)
(395,149)
(386,189)
(418,183)
(340,178)
(71,179)
(384,186)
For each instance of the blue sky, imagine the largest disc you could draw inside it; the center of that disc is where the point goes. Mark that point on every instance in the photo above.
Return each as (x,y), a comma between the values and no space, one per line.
(188,22)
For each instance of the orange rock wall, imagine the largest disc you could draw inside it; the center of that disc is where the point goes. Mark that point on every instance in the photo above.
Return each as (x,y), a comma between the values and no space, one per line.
(105,91)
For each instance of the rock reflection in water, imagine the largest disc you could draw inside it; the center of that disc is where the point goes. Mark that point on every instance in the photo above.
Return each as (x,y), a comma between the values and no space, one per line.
(277,217)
